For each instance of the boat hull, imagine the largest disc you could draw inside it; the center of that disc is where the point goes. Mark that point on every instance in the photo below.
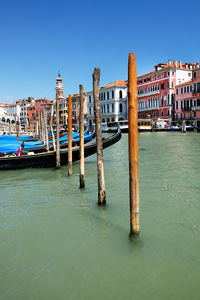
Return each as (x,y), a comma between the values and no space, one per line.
(48,159)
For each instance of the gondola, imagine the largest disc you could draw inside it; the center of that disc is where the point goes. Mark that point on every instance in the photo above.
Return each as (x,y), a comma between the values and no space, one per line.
(48,159)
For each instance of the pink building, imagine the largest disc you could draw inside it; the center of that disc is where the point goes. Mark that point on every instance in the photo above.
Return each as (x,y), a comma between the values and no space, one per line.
(156,90)
(183,101)
(187,98)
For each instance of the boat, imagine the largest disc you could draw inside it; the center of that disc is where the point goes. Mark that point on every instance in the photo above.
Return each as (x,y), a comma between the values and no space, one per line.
(144,125)
(48,159)
(173,128)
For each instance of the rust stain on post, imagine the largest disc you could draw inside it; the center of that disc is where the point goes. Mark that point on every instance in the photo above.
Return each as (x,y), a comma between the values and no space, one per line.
(70,136)
(133,146)
(81,130)
(100,162)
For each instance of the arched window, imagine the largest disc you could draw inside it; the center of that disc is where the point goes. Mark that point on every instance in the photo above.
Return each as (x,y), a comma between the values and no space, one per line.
(162,113)
(120,94)
(108,120)
(113,120)
(103,120)
(120,108)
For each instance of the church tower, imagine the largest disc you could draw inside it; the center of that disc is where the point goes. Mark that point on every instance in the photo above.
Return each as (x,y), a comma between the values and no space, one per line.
(59,88)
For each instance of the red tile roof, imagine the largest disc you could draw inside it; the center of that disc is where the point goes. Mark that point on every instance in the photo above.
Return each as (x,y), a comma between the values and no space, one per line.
(116,83)
(184,83)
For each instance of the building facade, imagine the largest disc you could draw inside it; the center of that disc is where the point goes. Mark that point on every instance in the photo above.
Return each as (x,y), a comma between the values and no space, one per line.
(156,89)
(113,100)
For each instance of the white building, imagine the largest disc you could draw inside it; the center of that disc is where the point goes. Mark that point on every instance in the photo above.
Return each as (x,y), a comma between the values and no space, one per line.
(113,99)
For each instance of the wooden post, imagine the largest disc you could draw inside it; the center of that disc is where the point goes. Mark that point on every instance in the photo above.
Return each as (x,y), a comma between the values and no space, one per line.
(195,126)
(184,126)
(46,131)
(57,134)
(70,136)
(81,131)
(17,128)
(133,146)
(51,128)
(100,163)
(10,128)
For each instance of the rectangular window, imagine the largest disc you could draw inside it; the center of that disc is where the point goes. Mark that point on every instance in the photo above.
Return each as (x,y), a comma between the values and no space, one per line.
(113,107)
(107,95)
(176,104)
(195,75)
(162,101)
(162,75)
(112,94)
(181,90)
(191,88)
(158,76)
(108,110)
(184,89)
(176,91)
(162,86)
(188,89)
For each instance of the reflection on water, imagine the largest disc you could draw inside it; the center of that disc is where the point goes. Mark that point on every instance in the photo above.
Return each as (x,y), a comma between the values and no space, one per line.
(57,243)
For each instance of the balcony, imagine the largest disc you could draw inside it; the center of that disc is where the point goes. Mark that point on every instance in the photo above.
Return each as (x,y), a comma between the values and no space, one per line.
(149,94)
(148,108)
(195,108)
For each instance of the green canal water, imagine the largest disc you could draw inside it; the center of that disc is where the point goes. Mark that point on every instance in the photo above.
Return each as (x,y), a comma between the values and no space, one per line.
(56,243)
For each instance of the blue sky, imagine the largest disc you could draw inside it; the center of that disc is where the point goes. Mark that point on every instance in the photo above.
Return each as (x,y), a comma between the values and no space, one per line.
(38,38)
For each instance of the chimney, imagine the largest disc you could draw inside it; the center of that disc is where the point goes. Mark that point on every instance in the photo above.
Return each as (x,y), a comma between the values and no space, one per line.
(175,63)
(170,62)
(180,64)
(186,66)
(190,67)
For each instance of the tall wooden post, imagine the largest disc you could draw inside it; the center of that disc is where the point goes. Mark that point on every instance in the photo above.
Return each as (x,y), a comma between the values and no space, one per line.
(81,130)
(133,146)
(57,133)
(70,136)
(51,128)
(184,126)
(195,126)
(100,163)
(17,128)
(46,131)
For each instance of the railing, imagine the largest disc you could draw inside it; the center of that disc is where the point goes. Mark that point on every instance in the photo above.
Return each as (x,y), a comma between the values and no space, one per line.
(148,108)
(195,108)
(148,94)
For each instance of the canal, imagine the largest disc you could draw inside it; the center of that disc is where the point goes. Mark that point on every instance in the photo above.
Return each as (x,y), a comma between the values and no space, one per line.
(56,243)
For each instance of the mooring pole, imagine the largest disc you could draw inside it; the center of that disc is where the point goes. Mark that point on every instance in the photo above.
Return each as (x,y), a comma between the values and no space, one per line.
(70,136)
(133,146)
(81,131)
(51,128)
(17,128)
(184,126)
(46,131)
(57,134)
(100,163)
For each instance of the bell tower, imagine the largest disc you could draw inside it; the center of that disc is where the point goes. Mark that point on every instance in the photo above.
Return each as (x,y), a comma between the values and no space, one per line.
(59,87)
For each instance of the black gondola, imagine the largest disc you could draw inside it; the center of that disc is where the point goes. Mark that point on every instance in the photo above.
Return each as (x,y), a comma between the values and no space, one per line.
(48,159)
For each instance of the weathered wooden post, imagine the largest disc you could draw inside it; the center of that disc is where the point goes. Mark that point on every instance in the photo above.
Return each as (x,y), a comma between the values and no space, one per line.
(57,133)
(100,163)
(10,128)
(81,131)
(17,128)
(184,126)
(70,136)
(195,126)
(133,146)
(46,131)
(51,128)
